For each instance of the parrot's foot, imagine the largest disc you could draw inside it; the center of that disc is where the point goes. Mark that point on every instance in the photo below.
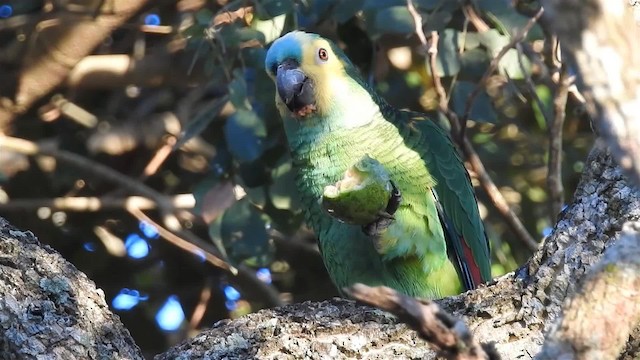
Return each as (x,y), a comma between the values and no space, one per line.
(385,218)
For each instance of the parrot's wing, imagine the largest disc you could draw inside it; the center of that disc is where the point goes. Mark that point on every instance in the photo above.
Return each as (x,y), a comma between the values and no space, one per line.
(454,248)
(457,205)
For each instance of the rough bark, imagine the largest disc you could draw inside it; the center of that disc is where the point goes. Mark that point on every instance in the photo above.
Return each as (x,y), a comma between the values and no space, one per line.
(50,310)
(598,320)
(515,311)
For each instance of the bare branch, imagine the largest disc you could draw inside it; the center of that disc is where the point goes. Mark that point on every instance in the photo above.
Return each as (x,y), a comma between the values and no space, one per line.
(182,243)
(554,177)
(93,204)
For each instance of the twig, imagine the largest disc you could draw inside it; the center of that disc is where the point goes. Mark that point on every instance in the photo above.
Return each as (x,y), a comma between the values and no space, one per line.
(159,158)
(470,13)
(180,242)
(530,84)
(93,204)
(107,174)
(493,65)
(449,336)
(201,307)
(554,176)
(93,168)
(498,201)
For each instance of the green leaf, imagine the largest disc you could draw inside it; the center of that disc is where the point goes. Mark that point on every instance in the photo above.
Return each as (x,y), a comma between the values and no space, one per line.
(346,9)
(267,9)
(437,4)
(203,17)
(244,233)
(283,191)
(394,20)
(448,62)
(238,91)
(509,64)
(436,21)
(381,4)
(254,56)
(254,174)
(271,29)
(244,132)
(200,122)
(481,109)
(473,64)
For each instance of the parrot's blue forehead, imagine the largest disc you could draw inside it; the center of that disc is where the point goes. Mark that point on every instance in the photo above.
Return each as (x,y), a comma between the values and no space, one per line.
(287,47)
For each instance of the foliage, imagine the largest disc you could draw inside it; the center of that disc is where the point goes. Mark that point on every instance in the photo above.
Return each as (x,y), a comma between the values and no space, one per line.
(230,150)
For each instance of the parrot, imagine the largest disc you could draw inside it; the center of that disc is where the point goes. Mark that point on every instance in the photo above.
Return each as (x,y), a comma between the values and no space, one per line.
(384,190)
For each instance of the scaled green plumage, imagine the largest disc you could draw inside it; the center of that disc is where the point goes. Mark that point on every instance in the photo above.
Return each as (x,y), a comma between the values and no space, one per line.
(436,244)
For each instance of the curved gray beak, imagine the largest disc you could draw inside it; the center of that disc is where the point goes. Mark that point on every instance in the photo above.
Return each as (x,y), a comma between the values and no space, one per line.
(294,87)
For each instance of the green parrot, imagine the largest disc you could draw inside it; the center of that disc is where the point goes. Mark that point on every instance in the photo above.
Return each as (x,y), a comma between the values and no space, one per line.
(384,190)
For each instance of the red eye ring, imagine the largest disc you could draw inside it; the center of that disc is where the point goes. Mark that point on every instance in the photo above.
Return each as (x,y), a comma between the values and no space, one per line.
(323,54)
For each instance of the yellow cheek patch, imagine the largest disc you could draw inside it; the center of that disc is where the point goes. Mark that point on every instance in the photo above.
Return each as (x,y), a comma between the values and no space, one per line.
(327,76)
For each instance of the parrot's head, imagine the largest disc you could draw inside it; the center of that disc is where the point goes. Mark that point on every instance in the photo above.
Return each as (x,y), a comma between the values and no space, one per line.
(311,74)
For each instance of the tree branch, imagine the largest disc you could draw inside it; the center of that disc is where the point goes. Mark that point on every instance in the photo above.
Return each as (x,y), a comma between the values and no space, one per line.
(449,336)
(554,177)
(598,320)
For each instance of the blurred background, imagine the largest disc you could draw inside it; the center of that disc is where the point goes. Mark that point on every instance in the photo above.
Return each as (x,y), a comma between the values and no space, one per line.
(140,139)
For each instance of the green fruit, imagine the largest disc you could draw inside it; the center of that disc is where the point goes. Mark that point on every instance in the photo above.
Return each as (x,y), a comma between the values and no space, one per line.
(361,195)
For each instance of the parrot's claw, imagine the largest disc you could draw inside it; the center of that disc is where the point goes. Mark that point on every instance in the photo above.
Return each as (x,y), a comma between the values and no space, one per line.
(385,218)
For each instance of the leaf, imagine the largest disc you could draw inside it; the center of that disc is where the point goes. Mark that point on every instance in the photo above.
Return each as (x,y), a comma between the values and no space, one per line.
(203,17)
(238,91)
(481,109)
(381,4)
(283,191)
(254,174)
(244,132)
(448,63)
(509,64)
(200,122)
(267,9)
(234,35)
(473,64)
(394,20)
(346,9)
(437,5)
(271,29)
(244,233)
(436,21)
(216,200)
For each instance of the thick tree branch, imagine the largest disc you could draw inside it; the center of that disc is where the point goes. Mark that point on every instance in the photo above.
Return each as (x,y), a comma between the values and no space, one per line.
(49,309)
(449,336)
(598,320)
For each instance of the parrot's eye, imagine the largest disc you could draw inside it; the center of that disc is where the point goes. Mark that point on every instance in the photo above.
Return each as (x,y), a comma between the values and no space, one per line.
(323,54)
